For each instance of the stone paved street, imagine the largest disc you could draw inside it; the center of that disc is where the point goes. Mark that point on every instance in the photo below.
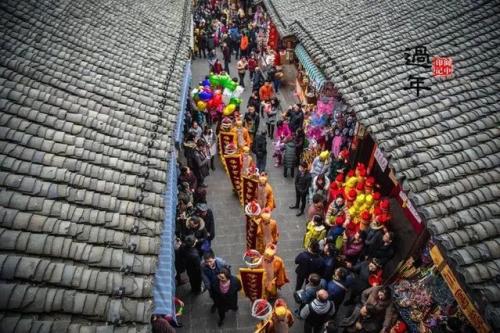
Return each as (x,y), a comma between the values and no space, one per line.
(230,232)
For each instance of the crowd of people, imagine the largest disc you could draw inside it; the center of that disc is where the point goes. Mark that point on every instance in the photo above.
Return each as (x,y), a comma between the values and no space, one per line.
(348,238)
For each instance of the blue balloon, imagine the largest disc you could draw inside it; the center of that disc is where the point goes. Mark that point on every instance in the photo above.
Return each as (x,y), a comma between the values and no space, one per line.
(205,95)
(205,83)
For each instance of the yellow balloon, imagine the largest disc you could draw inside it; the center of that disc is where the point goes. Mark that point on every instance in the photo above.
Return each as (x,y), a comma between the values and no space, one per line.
(353,212)
(201,105)
(229,109)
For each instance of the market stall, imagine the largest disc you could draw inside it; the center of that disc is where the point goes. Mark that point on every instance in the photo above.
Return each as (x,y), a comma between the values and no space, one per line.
(425,298)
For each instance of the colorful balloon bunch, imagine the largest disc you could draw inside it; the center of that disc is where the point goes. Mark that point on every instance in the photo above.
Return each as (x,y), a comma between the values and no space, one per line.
(218,93)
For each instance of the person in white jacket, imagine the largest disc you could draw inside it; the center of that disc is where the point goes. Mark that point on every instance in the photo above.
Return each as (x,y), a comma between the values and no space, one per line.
(211,140)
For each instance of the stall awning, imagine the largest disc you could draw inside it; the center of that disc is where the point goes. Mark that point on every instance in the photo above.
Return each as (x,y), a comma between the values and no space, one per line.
(179,128)
(164,287)
(314,73)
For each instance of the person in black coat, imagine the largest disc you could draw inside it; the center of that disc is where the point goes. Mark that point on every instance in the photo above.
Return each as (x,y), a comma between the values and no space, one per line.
(225,291)
(260,150)
(386,251)
(206,214)
(363,271)
(192,262)
(289,157)
(295,117)
(254,101)
(201,162)
(308,262)
(303,181)
(373,240)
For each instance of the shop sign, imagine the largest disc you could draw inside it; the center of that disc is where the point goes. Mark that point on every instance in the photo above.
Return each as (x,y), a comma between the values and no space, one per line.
(407,204)
(381,160)
(465,303)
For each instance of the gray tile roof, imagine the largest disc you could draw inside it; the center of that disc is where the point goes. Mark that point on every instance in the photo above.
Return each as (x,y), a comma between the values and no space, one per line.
(444,145)
(89,93)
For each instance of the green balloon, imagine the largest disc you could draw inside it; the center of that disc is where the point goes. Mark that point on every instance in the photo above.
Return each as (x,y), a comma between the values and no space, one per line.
(214,80)
(231,85)
(235,101)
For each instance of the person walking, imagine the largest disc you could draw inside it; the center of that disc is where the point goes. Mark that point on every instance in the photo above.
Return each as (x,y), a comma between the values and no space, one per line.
(191,258)
(317,312)
(226,54)
(302,183)
(254,101)
(242,68)
(210,269)
(225,291)
(252,65)
(251,120)
(260,150)
(244,45)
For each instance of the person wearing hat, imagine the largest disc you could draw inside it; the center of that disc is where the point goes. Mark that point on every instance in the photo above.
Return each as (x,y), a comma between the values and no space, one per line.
(320,164)
(281,319)
(206,214)
(302,183)
(275,275)
(267,231)
(265,196)
(308,262)
(246,161)
(317,312)
(315,231)
(241,134)
(225,291)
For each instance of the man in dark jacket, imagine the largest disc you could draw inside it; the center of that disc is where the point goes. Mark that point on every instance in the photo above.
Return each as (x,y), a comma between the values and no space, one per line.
(254,101)
(303,181)
(257,81)
(374,240)
(210,268)
(295,117)
(206,214)
(385,252)
(317,313)
(226,54)
(308,262)
(251,120)
(189,255)
(260,150)
(201,162)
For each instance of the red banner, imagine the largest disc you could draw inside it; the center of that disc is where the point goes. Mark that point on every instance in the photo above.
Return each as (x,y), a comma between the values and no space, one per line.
(233,168)
(249,189)
(252,280)
(225,138)
(251,231)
